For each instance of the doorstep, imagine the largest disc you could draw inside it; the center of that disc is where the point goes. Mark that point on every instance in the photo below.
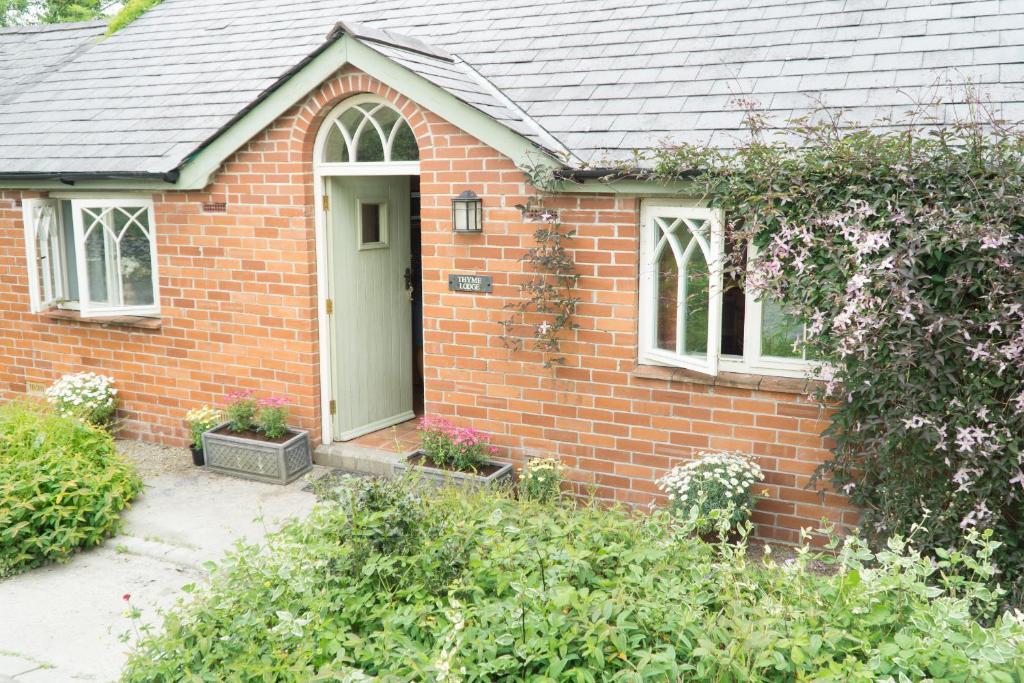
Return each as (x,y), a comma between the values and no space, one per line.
(377,461)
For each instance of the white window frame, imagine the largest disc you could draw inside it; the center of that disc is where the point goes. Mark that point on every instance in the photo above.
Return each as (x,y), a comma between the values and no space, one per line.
(49,294)
(713,246)
(87,307)
(752,361)
(51,290)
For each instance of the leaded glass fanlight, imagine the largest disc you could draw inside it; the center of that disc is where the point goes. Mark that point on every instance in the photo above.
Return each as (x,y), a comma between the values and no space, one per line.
(370,132)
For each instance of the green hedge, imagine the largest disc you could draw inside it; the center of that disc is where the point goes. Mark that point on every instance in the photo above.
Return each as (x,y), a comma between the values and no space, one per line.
(62,487)
(484,588)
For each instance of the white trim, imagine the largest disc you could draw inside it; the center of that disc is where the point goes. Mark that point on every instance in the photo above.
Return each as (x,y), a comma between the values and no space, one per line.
(322,218)
(752,362)
(87,307)
(713,250)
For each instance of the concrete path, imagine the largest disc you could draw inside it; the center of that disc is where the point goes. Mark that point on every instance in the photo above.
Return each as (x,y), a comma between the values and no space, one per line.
(63,623)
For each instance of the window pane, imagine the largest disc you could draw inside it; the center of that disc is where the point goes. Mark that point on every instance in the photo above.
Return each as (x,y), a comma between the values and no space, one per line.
(695,306)
(70,260)
(335,149)
(386,117)
(667,279)
(404,147)
(136,268)
(734,304)
(779,331)
(370,223)
(99,251)
(369,147)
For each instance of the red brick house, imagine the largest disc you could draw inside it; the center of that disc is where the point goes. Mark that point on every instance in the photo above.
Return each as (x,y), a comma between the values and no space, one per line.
(221,197)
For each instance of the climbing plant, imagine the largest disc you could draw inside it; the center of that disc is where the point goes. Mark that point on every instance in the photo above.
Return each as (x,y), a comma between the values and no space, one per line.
(547,309)
(904,253)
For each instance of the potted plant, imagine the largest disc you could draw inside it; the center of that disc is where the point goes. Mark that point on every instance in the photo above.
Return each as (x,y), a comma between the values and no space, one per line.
(255,441)
(199,421)
(90,397)
(454,455)
(541,479)
(714,490)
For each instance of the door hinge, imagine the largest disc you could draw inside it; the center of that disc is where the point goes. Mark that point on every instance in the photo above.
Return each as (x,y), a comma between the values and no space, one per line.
(327,202)
(329,306)
(333,407)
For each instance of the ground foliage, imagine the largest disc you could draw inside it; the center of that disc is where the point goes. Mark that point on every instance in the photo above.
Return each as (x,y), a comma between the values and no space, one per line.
(384,584)
(904,252)
(62,487)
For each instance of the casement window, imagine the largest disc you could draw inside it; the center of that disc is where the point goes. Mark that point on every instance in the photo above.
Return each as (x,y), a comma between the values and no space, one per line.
(692,315)
(97,256)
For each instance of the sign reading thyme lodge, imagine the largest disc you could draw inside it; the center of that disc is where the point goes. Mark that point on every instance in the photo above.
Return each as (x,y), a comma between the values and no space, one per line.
(470,283)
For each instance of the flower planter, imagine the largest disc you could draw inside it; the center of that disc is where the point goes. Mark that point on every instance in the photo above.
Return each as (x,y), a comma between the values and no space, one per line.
(198,457)
(493,474)
(257,459)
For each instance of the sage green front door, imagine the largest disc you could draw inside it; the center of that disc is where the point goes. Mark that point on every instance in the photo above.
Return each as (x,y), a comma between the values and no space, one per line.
(371,323)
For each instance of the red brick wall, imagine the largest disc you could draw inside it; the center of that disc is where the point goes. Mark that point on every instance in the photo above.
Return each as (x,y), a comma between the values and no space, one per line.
(239,310)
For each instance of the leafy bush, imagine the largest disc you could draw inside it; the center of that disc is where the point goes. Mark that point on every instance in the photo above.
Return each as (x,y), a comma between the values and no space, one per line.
(541,479)
(715,486)
(490,589)
(129,12)
(62,487)
(85,395)
(904,253)
(461,448)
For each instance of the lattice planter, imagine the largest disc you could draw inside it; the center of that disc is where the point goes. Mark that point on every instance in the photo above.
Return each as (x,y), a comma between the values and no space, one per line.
(492,473)
(259,460)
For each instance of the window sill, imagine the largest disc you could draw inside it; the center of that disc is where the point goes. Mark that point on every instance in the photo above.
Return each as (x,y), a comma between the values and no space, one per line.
(734,380)
(135,321)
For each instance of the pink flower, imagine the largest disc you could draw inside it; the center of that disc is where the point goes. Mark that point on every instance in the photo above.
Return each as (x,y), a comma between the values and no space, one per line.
(273,402)
(126,597)
(240,395)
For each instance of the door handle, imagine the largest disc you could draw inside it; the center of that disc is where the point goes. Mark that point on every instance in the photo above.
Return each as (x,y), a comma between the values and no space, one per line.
(409,289)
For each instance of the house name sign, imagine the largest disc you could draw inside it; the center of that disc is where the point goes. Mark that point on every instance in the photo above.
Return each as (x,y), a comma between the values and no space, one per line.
(470,283)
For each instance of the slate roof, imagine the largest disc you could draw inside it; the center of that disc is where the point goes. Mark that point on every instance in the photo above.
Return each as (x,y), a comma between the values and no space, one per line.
(597,76)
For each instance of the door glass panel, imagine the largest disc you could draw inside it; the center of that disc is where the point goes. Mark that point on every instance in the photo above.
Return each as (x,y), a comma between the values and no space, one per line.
(780,331)
(371,221)
(695,304)
(668,300)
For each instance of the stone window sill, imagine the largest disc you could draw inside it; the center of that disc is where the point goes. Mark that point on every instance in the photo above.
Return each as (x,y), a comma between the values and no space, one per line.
(134,321)
(735,380)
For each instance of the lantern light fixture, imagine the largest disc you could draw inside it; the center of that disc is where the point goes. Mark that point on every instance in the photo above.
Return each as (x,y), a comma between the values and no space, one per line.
(467,213)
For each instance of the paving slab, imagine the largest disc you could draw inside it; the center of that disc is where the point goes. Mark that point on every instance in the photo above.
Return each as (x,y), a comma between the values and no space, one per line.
(65,623)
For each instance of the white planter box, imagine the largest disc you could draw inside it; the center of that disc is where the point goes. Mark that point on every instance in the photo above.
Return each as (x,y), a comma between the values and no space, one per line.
(275,463)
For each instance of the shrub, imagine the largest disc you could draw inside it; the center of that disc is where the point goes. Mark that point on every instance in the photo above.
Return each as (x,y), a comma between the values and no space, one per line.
(241,410)
(272,416)
(201,420)
(85,395)
(716,486)
(461,448)
(62,487)
(541,479)
(904,253)
(493,589)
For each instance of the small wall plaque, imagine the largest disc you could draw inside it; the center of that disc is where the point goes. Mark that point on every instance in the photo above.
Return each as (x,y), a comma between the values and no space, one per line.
(470,283)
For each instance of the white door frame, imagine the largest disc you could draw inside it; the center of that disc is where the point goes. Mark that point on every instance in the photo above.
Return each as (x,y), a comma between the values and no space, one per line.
(322,218)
